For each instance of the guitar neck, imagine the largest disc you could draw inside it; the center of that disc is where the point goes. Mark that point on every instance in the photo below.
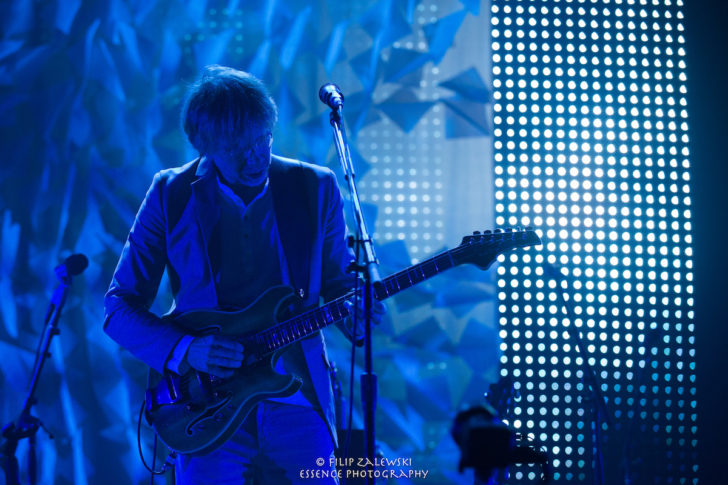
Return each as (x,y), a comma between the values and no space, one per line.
(310,322)
(479,249)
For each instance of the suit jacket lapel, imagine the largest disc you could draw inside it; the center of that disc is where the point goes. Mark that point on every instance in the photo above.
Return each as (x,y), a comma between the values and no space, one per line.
(207,209)
(294,218)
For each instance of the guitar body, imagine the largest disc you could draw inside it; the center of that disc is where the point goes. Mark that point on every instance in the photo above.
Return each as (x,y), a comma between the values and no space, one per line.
(196,413)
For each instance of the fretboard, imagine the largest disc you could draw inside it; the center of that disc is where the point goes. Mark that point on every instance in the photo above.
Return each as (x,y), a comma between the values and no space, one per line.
(310,322)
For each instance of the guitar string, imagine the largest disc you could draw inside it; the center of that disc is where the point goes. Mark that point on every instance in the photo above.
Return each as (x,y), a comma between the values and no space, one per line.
(261,338)
(269,335)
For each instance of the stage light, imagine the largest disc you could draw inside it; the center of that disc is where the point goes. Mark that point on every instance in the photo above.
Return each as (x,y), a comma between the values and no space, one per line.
(599,162)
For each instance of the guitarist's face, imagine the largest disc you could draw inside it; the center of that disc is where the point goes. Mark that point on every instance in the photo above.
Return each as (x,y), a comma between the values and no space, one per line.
(247,161)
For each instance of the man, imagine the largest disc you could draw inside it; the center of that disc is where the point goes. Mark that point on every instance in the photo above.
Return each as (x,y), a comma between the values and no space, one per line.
(226,227)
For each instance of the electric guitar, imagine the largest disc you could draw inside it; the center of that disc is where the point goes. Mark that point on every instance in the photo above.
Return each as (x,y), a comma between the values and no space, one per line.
(196,413)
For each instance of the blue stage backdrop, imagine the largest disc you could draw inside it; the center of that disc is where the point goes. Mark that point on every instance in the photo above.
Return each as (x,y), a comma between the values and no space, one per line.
(90,103)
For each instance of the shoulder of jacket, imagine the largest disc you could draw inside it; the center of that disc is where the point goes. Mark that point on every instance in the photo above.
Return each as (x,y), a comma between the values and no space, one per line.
(184,174)
(285,164)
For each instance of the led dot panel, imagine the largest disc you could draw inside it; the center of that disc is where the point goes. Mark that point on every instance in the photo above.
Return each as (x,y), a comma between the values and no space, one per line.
(405,182)
(406,178)
(591,148)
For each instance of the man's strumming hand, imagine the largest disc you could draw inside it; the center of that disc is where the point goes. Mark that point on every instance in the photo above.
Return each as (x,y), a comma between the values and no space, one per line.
(215,354)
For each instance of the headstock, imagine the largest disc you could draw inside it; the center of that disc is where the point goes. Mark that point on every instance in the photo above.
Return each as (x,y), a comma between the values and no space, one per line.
(481,249)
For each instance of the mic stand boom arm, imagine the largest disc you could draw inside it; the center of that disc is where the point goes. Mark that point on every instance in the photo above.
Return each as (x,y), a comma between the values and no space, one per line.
(599,407)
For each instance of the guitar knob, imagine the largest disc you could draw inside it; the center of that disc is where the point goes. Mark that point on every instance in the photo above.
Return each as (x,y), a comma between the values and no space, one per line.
(498,231)
(488,232)
(509,229)
(476,233)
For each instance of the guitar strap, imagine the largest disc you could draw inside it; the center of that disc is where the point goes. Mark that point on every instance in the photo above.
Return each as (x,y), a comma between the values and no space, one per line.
(292,203)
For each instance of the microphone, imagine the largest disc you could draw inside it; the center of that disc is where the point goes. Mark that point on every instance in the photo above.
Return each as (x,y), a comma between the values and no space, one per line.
(331,95)
(75,264)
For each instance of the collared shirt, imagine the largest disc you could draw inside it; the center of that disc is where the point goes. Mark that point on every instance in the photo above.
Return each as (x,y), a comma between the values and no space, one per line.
(252,261)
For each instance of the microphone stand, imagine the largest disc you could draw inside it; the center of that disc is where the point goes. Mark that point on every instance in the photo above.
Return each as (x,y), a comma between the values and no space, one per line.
(368,270)
(628,472)
(27,425)
(599,409)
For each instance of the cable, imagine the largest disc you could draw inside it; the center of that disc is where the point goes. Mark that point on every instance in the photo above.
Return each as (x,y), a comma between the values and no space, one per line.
(154,459)
(141,454)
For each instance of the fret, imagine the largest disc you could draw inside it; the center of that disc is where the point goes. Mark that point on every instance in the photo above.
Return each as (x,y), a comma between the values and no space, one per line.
(284,336)
(378,293)
(335,311)
(409,275)
(279,337)
(383,287)
(402,282)
(341,311)
(317,316)
(444,259)
(428,269)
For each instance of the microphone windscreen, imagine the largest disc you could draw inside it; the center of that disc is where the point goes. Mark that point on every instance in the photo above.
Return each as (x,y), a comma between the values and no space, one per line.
(76,264)
(331,95)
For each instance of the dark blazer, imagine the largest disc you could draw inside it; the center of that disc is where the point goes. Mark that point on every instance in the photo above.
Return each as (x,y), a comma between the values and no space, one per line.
(172,231)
